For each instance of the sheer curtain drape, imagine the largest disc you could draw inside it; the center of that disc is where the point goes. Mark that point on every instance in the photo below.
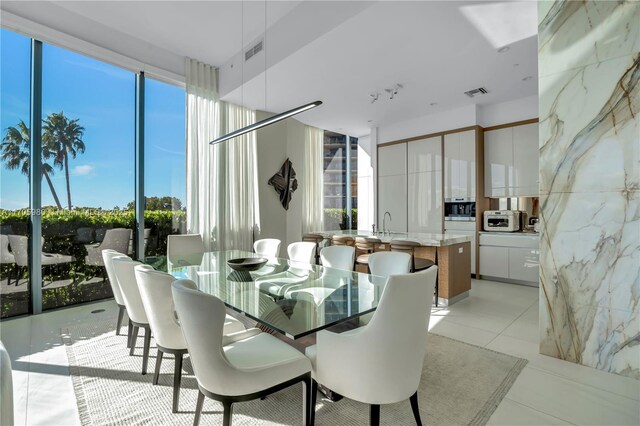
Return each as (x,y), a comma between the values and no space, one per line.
(221,179)
(313,182)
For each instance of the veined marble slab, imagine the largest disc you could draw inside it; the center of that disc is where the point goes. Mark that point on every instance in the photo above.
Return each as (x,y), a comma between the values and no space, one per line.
(572,34)
(425,239)
(590,183)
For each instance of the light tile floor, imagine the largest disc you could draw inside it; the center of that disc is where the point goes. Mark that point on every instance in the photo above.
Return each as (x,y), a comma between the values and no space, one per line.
(501,317)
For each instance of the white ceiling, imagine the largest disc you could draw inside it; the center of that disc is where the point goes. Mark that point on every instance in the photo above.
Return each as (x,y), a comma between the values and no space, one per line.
(334,52)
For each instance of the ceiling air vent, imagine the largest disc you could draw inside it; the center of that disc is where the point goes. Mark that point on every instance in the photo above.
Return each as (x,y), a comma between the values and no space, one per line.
(254,50)
(475,92)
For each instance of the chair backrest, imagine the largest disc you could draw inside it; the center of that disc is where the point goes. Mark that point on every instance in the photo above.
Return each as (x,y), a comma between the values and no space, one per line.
(338,257)
(84,235)
(116,239)
(367,244)
(342,240)
(405,246)
(302,251)
(5,255)
(202,318)
(20,249)
(123,267)
(107,257)
(186,244)
(155,290)
(6,388)
(395,342)
(385,263)
(268,247)
(313,238)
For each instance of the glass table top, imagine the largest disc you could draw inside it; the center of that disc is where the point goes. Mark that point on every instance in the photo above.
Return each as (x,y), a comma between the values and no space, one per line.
(293,298)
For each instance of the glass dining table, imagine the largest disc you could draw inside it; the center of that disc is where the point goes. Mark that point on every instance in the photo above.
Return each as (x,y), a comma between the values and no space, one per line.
(295,299)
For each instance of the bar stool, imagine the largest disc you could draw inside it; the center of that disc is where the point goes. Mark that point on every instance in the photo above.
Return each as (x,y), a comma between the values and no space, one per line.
(317,239)
(417,263)
(366,245)
(342,240)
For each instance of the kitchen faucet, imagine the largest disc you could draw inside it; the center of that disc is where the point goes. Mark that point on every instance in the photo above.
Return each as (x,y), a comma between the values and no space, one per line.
(384,223)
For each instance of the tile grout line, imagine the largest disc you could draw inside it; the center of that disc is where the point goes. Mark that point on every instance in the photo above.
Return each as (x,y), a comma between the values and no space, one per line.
(539,411)
(512,322)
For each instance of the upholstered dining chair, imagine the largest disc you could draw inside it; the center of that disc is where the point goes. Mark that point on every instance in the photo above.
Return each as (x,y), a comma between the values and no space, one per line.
(302,252)
(155,291)
(240,367)
(115,239)
(185,249)
(6,388)
(365,246)
(107,256)
(338,257)
(380,363)
(409,247)
(385,263)
(267,247)
(123,267)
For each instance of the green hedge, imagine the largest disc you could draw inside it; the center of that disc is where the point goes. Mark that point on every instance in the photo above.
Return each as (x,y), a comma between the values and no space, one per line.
(340,216)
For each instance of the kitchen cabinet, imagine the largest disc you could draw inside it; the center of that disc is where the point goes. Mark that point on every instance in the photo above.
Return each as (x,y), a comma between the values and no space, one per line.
(392,186)
(524,264)
(494,261)
(460,165)
(511,161)
(510,257)
(464,228)
(424,185)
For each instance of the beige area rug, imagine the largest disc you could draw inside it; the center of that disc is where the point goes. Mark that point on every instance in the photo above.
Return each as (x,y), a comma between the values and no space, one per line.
(461,384)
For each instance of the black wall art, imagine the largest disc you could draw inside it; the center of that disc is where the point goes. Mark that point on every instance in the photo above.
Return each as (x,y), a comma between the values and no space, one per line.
(285,183)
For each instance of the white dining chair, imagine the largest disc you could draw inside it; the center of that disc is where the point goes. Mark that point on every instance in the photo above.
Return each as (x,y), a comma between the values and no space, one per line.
(114,239)
(107,256)
(338,257)
(184,249)
(155,290)
(302,251)
(267,247)
(380,363)
(385,263)
(249,367)
(123,267)
(6,388)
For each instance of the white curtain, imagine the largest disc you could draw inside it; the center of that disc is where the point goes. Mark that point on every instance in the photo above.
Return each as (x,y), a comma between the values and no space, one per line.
(313,180)
(222,178)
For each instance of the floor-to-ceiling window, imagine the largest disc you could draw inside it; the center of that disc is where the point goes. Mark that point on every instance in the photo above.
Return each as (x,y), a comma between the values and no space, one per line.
(88,110)
(340,181)
(165,165)
(15,52)
(89,170)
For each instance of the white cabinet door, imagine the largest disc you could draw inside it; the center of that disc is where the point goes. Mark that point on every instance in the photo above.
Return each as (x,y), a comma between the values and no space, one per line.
(468,164)
(392,160)
(424,155)
(498,162)
(524,264)
(452,166)
(392,198)
(525,160)
(425,202)
(494,261)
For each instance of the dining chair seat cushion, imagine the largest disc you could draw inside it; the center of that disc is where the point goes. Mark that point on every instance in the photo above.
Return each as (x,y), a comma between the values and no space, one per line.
(232,325)
(56,258)
(422,264)
(363,258)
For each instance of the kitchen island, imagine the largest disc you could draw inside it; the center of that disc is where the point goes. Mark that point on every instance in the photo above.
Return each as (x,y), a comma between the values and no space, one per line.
(452,254)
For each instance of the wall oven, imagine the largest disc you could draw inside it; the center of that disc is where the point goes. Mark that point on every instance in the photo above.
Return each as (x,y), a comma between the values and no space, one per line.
(460,209)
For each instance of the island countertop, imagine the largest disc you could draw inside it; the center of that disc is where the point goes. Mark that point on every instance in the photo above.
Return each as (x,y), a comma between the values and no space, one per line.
(425,239)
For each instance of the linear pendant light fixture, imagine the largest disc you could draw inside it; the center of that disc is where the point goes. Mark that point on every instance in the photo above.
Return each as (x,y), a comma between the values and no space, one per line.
(266,122)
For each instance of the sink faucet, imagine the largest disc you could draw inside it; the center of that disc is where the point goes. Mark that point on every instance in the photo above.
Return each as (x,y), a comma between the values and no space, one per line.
(384,222)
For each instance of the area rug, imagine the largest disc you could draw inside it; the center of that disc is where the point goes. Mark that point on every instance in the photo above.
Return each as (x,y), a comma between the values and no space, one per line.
(461,384)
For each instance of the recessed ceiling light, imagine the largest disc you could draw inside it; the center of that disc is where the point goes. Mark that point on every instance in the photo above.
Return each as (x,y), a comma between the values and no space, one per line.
(369,121)
(527,78)
(516,65)
(503,49)
(433,103)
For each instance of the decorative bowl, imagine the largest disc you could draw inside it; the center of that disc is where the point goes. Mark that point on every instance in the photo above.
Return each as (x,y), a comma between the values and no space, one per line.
(247,263)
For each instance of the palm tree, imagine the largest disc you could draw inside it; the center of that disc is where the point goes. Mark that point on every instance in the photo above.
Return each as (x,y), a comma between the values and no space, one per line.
(15,154)
(63,137)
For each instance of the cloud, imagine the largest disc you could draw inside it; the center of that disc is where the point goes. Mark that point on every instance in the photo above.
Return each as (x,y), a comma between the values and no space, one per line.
(83,170)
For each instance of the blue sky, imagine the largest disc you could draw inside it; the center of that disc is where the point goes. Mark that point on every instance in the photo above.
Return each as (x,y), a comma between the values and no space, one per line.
(102,97)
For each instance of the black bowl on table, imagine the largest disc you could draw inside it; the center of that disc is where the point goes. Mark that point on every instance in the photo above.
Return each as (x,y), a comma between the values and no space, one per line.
(247,264)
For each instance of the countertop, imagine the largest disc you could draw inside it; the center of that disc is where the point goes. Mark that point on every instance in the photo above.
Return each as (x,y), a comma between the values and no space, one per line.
(425,239)
(512,234)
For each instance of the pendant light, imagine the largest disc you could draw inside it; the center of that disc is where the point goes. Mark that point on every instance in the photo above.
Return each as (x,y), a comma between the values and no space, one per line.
(271,120)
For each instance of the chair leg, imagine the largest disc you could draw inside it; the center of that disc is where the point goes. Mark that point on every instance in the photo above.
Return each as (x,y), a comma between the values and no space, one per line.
(374,415)
(228,411)
(145,350)
(120,316)
(312,402)
(134,337)
(129,331)
(156,373)
(306,400)
(437,289)
(196,419)
(414,406)
(177,377)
